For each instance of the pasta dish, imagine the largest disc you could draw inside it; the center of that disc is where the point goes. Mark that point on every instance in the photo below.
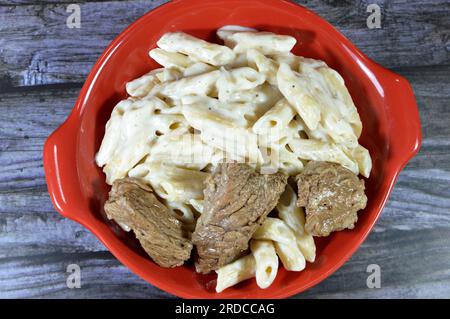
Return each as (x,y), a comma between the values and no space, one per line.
(235,155)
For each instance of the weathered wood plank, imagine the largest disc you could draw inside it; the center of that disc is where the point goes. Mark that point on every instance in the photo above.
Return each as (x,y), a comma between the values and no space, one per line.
(42,49)
(413,264)
(34,234)
(403,272)
(38,48)
(44,276)
(35,112)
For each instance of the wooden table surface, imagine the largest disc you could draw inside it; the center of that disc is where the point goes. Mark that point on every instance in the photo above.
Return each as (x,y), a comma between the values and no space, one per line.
(43,64)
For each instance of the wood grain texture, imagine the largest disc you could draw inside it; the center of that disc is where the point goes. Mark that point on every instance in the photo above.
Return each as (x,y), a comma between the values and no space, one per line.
(38,48)
(42,67)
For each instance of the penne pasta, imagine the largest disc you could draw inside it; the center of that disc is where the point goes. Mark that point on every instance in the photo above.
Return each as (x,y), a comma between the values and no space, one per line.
(275,229)
(171,59)
(185,150)
(266,262)
(239,79)
(130,133)
(263,64)
(197,69)
(196,49)
(305,105)
(362,157)
(171,183)
(289,212)
(290,256)
(141,86)
(343,101)
(294,217)
(226,31)
(249,101)
(276,118)
(232,274)
(315,150)
(266,42)
(221,132)
(202,85)
(307,246)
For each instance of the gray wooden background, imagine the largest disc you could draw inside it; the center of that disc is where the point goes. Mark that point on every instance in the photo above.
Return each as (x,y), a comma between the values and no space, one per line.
(42,67)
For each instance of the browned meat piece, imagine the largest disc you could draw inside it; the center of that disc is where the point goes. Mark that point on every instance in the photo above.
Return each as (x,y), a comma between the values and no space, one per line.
(332,196)
(237,201)
(132,203)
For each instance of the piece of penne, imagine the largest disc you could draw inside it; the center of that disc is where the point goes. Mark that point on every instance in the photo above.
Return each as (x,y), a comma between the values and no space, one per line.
(231,114)
(294,217)
(289,212)
(288,58)
(221,132)
(265,42)
(172,183)
(171,59)
(362,157)
(343,101)
(262,97)
(266,262)
(275,229)
(129,134)
(314,150)
(196,49)
(168,75)
(185,150)
(263,64)
(307,246)
(226,31)
(239,79)
(197,69)
(275,119)
(232,274)
(339,130)
(201,85)
(141,86)
(292,89)
(290,256)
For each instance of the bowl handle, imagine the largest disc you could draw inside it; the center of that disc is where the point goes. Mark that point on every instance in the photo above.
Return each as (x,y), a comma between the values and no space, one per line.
(404,119)
(61,170)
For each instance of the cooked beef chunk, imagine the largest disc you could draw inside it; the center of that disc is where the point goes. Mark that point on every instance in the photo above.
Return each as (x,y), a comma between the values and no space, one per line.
(237,201)
(332,196)
(132,203)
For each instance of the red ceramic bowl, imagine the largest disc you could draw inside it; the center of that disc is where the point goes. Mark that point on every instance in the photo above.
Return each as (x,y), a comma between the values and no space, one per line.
(384,99)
